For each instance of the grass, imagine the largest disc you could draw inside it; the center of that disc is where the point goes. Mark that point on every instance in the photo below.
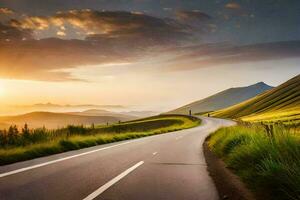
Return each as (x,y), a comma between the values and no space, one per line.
(268,163)
(42,142)
(279,104)
(287,116)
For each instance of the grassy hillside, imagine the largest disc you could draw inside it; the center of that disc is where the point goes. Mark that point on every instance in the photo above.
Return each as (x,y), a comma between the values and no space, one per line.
(268,163)
(281,103)
(55,120)
(223,99)
(16,146)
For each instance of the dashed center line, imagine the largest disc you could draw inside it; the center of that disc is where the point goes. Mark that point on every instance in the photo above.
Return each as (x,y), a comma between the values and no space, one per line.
(178,137)
(112,182)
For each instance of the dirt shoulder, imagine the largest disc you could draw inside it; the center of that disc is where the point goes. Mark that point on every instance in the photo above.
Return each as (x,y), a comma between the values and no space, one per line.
(228,184)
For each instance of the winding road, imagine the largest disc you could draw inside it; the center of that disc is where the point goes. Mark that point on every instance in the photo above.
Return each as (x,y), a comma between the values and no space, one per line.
(168,166)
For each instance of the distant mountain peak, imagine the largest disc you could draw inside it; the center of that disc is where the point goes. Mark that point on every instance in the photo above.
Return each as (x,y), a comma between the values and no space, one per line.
(261,83)
(224,98)
(261,86)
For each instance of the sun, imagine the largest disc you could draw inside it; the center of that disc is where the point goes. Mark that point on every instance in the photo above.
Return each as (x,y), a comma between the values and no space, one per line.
(2,89)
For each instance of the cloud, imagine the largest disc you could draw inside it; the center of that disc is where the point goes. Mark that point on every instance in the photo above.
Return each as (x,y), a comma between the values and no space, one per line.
(33,23)
(233,5)
(49,59)
(6,11)
(117,37)
(109,24)
(61,33)
(207,55)
(197,20)
(185,15)
(109,37)
(10,33)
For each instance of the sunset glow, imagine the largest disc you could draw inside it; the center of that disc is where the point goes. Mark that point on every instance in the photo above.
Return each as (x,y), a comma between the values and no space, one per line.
(142,54)
(2,90)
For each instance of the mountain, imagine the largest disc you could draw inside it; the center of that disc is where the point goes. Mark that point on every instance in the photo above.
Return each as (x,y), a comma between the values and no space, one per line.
(140,114)
(281,103)
(223,99)
(50,107)
(54,120)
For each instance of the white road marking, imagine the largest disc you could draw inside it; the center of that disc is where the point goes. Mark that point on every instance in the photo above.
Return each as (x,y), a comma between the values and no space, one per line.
(178,137)
(154,153)
(58,160)
(112,182)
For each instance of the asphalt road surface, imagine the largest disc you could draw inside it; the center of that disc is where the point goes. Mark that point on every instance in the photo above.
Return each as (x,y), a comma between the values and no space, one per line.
(168,166)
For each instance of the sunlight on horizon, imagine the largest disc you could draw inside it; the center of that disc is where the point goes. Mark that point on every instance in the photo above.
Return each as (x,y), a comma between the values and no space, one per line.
(2,89)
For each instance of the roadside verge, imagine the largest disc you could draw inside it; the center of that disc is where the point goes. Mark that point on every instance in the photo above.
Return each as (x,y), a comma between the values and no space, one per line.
(229,185)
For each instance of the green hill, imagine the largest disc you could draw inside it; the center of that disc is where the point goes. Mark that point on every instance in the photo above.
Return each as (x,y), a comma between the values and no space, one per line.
(281,103)
(223,99)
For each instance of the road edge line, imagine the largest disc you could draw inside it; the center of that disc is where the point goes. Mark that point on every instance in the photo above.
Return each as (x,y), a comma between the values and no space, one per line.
(58,160)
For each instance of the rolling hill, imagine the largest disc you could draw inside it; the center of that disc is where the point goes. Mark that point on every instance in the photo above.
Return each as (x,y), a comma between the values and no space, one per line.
(57,108)
(223,99)
(99,112)
(281,103)
(140,114)
(55,120)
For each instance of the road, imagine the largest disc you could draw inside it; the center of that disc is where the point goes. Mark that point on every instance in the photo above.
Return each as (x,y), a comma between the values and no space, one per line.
(168,166)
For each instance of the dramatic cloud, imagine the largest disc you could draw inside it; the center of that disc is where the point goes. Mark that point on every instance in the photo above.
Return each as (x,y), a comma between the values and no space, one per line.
(233,5)
(47,59)
(60,33)
(10,33)
(199,21)
(6,11)
(108,37)
(101,37)
(109,24)
(219,54)
(33,23)
(192,15)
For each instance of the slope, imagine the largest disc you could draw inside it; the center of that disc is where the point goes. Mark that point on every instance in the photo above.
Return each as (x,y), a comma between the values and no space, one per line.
(223,99)
(281,103)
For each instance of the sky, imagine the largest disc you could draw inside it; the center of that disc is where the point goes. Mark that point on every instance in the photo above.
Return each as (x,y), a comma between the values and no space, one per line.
(151,54)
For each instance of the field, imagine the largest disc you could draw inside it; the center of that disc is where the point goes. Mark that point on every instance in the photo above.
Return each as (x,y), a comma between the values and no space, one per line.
(267,159)
(287,116)
(27,144)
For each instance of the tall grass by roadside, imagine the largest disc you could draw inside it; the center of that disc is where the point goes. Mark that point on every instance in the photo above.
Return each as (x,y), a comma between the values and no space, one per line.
(268,163)
(17,145)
